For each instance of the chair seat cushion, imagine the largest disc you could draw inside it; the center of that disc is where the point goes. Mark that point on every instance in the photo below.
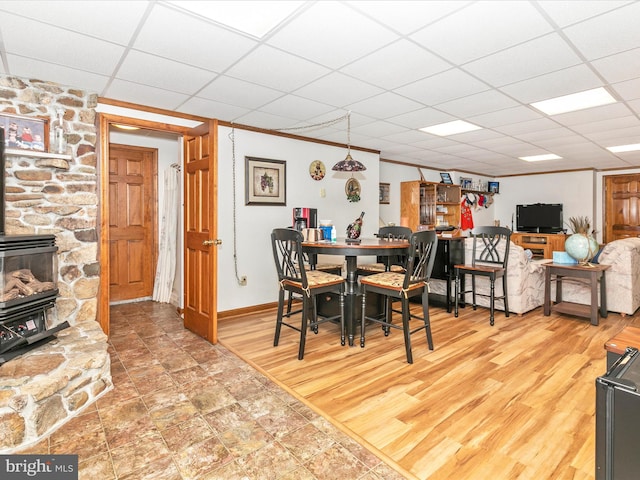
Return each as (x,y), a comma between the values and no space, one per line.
(317,278)
(480,268)
(379,267)
(390,280)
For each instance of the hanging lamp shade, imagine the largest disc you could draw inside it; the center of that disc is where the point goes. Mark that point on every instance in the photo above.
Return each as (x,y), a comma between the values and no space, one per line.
(349,164)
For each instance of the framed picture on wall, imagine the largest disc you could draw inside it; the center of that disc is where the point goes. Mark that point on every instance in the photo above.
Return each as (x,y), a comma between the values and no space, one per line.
(265,181)
(493,187)
(446,178)
(26,133)
(465,182)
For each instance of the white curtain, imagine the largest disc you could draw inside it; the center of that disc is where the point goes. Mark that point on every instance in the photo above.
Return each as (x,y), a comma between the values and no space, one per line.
(166,269)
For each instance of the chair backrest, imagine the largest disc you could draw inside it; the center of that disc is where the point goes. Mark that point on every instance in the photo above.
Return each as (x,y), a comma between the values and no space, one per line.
(491,245)
(422,254)
(393,232)
(286,244)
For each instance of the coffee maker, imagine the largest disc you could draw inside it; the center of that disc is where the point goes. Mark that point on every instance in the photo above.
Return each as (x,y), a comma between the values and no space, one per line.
(305,218)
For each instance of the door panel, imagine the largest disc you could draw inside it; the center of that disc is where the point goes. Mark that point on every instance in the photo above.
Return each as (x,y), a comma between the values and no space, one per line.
(622,207)
(132,222)
(200,305)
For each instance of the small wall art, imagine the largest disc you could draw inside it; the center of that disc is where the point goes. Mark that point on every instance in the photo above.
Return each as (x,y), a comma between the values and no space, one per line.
(265,181)
(26,133)
(493,187)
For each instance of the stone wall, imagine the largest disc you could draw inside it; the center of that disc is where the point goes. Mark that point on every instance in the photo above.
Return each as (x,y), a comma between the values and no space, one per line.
(56,194)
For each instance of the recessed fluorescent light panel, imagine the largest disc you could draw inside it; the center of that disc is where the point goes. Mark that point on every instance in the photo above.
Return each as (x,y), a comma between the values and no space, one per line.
(539,158)
(575,101)
(624,148)
(451,128)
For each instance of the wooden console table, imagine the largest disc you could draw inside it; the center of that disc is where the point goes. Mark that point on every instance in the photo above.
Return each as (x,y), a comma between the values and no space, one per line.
(594,273)
(541,244)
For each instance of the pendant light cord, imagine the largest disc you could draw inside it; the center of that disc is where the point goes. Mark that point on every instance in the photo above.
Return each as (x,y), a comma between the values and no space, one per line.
(232,136)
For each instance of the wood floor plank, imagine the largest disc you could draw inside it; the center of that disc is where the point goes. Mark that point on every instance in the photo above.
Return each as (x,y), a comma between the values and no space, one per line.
(512,401)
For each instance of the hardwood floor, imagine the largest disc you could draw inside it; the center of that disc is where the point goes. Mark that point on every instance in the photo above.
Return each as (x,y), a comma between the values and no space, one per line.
(513,401)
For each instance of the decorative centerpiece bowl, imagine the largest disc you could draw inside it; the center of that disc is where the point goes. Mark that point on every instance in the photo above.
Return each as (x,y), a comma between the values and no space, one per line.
(581,245)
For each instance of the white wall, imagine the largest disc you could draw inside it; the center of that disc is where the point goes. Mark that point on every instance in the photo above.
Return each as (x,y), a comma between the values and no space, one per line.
(255,222)
(575,190)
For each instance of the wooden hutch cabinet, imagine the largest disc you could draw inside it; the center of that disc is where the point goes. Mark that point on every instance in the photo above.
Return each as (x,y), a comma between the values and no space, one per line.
(429,204)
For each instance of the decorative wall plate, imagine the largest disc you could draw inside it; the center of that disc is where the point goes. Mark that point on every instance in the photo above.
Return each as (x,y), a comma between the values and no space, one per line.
(352,189)
(317,170)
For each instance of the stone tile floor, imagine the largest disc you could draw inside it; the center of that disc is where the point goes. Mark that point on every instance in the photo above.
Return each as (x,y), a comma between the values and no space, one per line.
(185,409)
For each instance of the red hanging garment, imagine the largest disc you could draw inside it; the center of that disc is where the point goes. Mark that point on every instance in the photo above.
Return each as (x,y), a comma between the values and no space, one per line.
(466,218)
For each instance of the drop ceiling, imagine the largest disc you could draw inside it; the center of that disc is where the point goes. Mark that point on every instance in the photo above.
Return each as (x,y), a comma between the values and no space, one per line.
(397,66)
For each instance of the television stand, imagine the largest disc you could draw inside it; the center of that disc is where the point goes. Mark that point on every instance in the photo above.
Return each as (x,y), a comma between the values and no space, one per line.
(541,244)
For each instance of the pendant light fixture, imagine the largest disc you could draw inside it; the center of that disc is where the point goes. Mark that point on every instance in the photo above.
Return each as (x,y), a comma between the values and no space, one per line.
(349,164)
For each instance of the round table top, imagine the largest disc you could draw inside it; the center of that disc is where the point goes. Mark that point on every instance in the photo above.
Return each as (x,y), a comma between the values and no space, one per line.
(367,246)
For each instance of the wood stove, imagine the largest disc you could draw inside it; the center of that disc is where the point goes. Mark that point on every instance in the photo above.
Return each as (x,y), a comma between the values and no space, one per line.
(28,285)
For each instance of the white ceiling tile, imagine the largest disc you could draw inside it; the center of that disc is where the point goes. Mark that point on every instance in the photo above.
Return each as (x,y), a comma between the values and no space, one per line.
(28,67)
(607,34)
(421,118)
(252,17)
(506,116)
(384,105)
(629,89)
(397,64)
(193,49)
(545,135)
(167,75)
(407,16)
(630,121)
(265,120)
(555,84)
(211,109)
(477,104)
(332,34)
(104,20)
(238,92)
(564,12)
(620,67)
(588,115)
(303,107)
(29,38)
(377,128)
(338,90)
(635,105)
(524,61)
(263,66)
(136,93)
(527,126)
(443,87)
(463,36)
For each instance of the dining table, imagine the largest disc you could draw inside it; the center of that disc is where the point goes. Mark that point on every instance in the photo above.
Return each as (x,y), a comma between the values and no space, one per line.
(378,247)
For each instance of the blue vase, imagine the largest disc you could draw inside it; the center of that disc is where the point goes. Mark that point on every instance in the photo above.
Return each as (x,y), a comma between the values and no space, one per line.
(581,247)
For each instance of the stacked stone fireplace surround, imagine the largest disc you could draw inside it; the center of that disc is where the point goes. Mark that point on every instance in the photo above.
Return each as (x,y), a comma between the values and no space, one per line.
(44,388)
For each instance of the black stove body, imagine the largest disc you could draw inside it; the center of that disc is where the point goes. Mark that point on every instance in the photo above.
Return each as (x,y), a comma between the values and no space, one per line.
(28,286)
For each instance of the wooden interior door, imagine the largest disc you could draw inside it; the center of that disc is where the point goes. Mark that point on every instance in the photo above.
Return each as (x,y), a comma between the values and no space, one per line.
(622,207)
(132,222)
(201,256)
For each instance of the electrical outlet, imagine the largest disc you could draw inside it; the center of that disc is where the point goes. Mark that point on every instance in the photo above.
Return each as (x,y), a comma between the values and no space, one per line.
(243,281)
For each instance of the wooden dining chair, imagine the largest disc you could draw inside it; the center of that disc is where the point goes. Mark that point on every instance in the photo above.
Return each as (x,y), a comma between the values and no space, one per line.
(293,277)
(489,260)
(394,263)
(403,286)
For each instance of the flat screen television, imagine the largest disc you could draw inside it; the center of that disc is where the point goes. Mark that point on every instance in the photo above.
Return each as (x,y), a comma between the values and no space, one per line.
(539,218)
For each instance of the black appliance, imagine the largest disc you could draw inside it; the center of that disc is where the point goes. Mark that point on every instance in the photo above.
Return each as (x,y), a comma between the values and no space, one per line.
(304,217)
(539,218)
(28,285)
(618,419)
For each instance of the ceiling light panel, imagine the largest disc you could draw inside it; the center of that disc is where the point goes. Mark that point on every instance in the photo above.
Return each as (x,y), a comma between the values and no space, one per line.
(451,128)
(624,148)
(575,101)
(539,158)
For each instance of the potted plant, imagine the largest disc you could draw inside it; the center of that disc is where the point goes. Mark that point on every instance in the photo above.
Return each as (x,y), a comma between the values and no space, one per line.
(581,245)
